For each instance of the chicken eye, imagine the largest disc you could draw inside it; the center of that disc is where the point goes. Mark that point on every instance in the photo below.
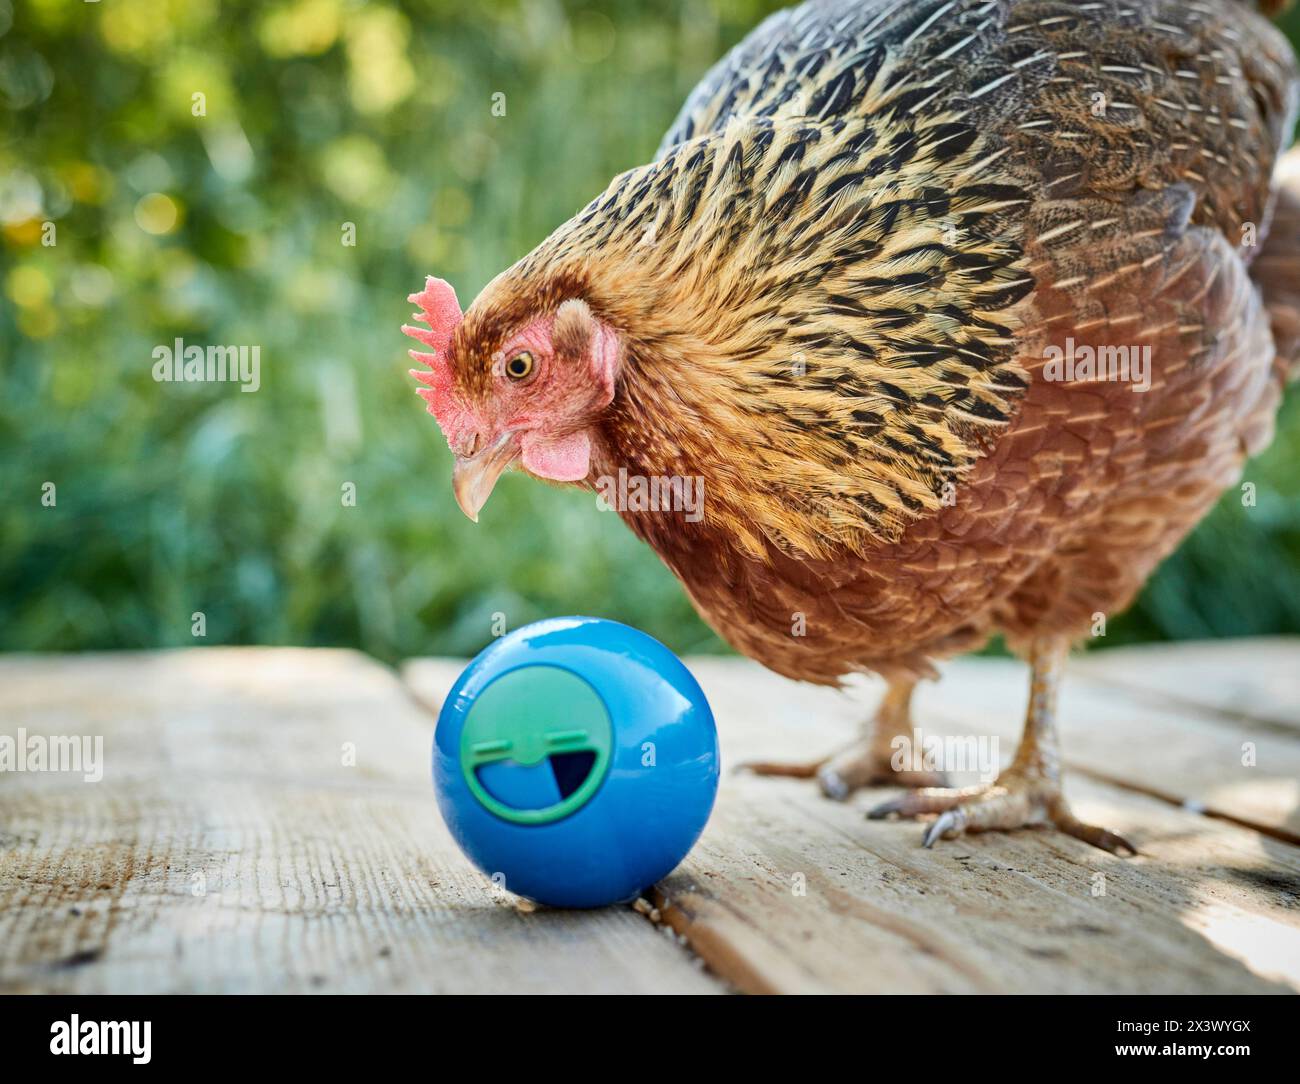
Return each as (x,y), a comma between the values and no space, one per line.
(519,366)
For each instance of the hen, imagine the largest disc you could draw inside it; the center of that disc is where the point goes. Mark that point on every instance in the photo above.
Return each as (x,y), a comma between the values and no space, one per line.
(961,312)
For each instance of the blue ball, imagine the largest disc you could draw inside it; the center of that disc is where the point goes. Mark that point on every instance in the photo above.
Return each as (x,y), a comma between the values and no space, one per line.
(576,761)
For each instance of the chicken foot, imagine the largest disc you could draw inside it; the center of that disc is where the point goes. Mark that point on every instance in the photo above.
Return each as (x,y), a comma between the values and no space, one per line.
(867,761)
(1028,792)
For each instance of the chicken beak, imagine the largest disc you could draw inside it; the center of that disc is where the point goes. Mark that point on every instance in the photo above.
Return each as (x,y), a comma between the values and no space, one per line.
(474,476)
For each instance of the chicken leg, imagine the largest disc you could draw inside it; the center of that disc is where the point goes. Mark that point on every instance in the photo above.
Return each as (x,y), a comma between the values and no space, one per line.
(869,760)
(1028,792)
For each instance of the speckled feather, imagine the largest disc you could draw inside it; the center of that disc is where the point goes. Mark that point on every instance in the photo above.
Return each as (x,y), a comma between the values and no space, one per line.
(837,280)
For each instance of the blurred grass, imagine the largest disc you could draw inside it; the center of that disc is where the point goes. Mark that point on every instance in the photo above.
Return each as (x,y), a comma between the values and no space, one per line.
(226,229)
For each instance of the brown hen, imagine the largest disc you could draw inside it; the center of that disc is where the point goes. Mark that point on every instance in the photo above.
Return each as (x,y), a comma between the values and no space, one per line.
(962,312)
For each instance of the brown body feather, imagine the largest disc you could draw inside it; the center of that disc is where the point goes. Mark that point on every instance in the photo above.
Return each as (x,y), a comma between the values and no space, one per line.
(839,281)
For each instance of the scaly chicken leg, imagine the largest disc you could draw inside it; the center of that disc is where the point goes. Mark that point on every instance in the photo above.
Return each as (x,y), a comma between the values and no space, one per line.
(867,761)
(1029,791)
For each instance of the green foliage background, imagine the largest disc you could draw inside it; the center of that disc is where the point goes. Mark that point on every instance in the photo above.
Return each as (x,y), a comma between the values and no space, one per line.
(226,228)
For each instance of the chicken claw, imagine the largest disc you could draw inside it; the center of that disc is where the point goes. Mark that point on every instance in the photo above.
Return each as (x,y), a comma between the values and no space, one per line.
(864,764)
(1017,800)
(925,800)
(1027,793)
(868,761)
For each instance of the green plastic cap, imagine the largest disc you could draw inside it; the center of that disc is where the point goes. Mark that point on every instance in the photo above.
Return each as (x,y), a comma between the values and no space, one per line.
(536,744)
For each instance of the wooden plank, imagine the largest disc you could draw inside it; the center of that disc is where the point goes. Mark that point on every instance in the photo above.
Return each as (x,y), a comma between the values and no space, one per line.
(1227,767)
(790,892)
(229,848)
(1252,680)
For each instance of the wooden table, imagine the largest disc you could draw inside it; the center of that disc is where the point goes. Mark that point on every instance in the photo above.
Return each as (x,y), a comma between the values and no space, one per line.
(265,823)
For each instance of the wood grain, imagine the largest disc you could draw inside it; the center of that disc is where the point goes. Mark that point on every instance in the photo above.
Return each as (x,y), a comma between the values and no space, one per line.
(789,892)
(229,849)
(1256,681)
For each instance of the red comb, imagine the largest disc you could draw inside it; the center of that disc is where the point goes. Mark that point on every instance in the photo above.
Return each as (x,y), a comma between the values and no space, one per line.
(441,311)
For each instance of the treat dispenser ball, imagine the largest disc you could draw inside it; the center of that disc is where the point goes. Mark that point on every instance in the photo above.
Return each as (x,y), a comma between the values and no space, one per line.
(576,761)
